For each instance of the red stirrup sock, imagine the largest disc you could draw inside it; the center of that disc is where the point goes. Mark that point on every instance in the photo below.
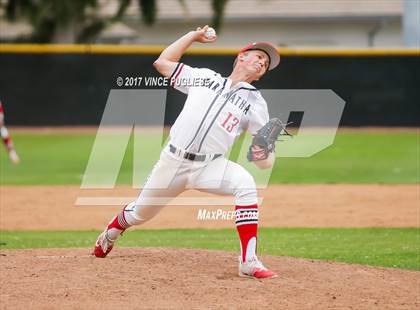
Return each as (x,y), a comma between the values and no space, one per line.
(247,226)
(7,141)
(117,225)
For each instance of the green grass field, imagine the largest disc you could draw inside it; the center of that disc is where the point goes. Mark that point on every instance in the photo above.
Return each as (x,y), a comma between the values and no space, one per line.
(388,158)
(388,247)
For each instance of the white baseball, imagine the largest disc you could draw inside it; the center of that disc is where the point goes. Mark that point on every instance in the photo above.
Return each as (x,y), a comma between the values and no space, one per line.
(210,32)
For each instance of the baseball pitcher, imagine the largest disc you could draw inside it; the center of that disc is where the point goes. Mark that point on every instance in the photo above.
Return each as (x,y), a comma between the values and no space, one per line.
(217,110)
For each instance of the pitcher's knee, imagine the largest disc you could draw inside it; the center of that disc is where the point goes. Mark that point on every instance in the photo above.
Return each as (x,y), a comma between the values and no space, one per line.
(246,191)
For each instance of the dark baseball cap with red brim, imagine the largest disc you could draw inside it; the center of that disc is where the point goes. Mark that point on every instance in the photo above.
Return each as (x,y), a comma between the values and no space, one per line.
(268,48)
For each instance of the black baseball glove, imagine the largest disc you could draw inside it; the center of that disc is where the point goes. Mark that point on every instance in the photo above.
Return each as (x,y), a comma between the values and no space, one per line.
(264,142)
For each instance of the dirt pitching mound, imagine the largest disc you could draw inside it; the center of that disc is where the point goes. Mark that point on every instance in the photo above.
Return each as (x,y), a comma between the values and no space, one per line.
(132,278)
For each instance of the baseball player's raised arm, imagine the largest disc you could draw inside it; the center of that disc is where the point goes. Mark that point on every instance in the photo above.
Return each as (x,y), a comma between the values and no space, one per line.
(170,56)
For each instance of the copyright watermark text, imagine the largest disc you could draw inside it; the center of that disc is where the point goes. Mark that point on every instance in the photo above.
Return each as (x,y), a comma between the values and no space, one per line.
(159,81)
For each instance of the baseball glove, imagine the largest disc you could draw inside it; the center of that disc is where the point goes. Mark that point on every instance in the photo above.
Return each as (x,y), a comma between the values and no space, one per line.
(264,141)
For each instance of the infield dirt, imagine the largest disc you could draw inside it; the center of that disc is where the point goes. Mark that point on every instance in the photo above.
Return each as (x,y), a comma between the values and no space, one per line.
(193,279)
(160,278)
(53,207)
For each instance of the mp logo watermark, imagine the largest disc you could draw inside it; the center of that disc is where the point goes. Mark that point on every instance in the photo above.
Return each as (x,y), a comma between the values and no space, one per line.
(140,114)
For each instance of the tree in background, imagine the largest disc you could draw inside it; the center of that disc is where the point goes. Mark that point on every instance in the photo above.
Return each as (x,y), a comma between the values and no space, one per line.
(79,20)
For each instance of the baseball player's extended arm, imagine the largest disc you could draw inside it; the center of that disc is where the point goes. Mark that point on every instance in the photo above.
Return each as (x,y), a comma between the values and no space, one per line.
(169,58)
(261,150)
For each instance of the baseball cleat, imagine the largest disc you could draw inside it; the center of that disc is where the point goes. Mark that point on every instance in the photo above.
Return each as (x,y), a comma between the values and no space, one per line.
(13,156)
(253,268)
(103,245)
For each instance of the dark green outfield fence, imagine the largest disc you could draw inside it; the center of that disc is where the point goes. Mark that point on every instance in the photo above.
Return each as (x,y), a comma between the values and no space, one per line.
(69,85)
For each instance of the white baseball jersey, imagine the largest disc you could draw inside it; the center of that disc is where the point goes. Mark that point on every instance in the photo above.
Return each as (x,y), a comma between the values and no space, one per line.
(215,113)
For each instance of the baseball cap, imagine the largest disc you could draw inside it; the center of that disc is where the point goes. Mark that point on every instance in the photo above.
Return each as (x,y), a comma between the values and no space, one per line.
(268,48)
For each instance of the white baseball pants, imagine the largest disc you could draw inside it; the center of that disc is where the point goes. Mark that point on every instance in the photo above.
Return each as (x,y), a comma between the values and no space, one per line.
(172,175)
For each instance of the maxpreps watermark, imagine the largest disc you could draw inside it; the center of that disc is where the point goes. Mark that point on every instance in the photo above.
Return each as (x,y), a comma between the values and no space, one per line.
(160,81)
(220,215)
(215,215)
